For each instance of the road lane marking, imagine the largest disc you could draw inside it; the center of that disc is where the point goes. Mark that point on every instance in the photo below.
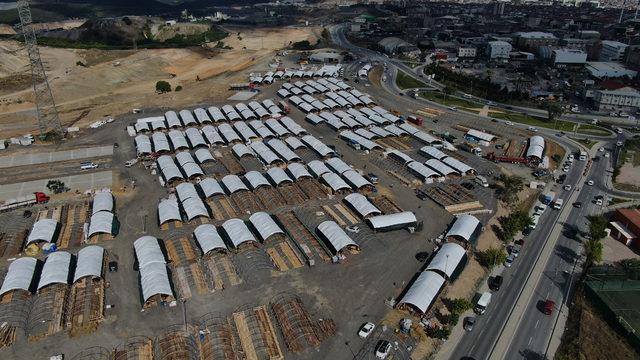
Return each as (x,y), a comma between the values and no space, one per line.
(537,323)
(530,339)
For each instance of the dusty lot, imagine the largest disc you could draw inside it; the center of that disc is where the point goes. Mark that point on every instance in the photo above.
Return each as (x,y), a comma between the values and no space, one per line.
(86,94)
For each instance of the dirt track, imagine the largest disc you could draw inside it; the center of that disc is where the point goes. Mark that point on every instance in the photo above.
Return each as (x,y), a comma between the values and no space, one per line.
(86,94)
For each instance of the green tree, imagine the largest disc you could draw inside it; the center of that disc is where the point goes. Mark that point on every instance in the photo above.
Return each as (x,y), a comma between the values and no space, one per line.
(511,186)
(592,252)
(491,257)
(597,227)
(325,34)
(554,111)
(163,87)
(514,223)
(631,267)
(179,88)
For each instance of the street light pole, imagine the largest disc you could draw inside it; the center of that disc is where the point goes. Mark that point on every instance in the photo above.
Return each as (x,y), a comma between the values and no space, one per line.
(350,350)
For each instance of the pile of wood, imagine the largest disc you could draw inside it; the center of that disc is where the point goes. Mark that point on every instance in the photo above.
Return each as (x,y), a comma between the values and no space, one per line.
(7,335)
(325,329)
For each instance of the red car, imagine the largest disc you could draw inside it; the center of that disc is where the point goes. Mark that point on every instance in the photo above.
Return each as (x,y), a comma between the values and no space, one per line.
(549,305)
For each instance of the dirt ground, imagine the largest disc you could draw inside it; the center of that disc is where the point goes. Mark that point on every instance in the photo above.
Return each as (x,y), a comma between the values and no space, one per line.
(629,174)
(614,251)
(126,79)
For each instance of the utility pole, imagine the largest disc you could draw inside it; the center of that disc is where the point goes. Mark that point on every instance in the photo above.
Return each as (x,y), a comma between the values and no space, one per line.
(48,120)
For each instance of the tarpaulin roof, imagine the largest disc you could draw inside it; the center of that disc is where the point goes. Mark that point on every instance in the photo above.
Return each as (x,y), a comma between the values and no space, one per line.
(237,231)
(208,238)
(178,140)
(265,225)
(210,187)
(195,137)
(382,222)
(102,201)
(282,150)
(432,152)
(204,155)
(423,291)
(242,150)
(335,182)
(20,275)
(168,210)
(212,135)
(447,259)
(256,179)
(148,250)
(187,117)
(298,170)
(278,176)
(43,230)
(464,227)
(101,222)
(335,236)
(317,167)
(361,204)
(356,180)
(337,165)
(233,183)
(55,269)
(154,280)
(440,167)
(89,263)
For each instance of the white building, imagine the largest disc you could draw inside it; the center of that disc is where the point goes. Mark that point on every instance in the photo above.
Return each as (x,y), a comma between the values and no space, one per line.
(498,49)
(624,99)
(612,50)
(467,52)
(608,70)
(569,56)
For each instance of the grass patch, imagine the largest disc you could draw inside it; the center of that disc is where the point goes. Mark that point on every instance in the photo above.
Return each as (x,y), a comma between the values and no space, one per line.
(626,187)
(559,125)
(586,142)
(631,149)
(404,81)
(615,201)
(447,100)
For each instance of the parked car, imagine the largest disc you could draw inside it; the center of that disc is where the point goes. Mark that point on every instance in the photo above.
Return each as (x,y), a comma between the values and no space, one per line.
(113,266)
(577,204)
(469,323)
(567,187)
(590,182)
(366,329)
(509,261)
(515,250)
(383,348)
(495,283)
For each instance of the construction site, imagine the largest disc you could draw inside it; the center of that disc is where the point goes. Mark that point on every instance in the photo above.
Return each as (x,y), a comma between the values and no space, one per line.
(203,227)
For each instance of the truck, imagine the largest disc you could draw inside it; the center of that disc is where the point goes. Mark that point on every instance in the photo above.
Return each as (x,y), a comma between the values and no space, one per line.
(582,156)
(28,200)
(415,120)
(548,197)
(474,149)
(483,302)
(558,204)
(284,107)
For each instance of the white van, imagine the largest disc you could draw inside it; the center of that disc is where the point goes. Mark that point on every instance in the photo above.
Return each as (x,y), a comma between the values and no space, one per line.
(482,181)
(483,302)
(88,166)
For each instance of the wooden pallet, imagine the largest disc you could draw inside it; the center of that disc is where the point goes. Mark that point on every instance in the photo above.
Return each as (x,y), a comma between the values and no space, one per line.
(312,188)
(306,241)
(270,198)
(292,194)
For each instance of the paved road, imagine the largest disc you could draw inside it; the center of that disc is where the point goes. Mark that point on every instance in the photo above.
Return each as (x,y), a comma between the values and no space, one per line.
(80,182)
(47,157)
(338,36)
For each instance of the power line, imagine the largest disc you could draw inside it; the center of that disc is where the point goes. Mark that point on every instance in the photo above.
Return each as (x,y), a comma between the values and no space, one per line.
(48,120)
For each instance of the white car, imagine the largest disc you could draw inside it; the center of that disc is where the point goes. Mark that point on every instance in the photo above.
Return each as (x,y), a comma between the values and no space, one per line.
(531,128)
(607,155)
(509,123)
(599,202)
(383,348)
(565,169)
(590,183)
(353,228)
(366,330)
(567,187)
(601,149)
(570,158)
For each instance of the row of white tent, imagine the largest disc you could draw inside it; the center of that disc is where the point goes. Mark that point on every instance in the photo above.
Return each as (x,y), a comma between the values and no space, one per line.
(354,118)
(223,134)
(311,87)
(432,168)
(334,172)
(57,269)
(240,111)
(446,261)
(102,214)
(327,71)
(342,99)
(374,217)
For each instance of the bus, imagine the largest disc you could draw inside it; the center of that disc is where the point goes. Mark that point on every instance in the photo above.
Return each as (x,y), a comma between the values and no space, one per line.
(583,155)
